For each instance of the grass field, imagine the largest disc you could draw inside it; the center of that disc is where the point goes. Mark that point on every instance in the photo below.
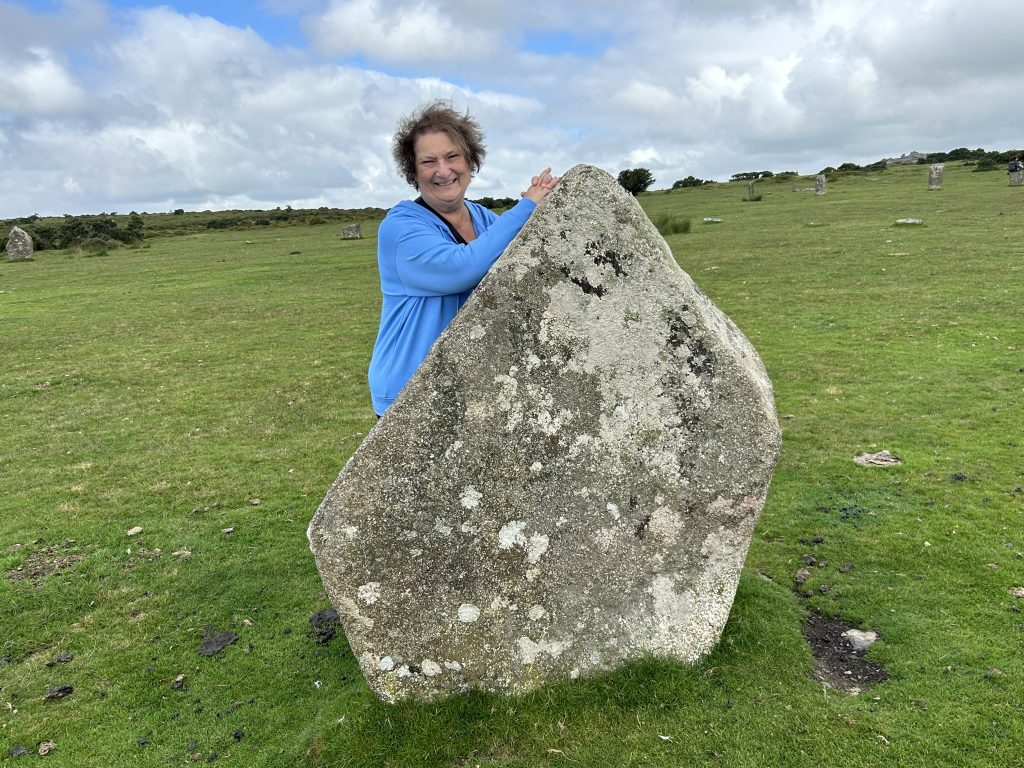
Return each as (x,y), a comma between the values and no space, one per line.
(208,388)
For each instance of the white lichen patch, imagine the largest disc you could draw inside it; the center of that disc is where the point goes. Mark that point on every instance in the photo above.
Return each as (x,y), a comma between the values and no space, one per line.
(529,650)
(468,527)
(445,530)
(368,593)
(349,532)
(386,664)
(547,423)
(468,613)
(477,332)
(470,498)
(511,534)
(536,612)
(414,553)
(532,573)
(532,362)
(536,467)
(613,510)
(507,401)
(430,668)
(453,666)
(536,548)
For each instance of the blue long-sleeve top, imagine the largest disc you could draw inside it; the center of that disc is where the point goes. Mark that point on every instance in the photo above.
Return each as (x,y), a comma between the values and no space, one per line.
(425,278)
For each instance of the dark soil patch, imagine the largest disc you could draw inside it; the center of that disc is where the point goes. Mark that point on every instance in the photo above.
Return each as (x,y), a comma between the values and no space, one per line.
(836,663)
(214,641)
(325,623)
(46,561)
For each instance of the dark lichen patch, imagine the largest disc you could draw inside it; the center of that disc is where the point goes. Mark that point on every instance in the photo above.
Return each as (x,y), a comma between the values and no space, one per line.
(584,284)
(600,255)
(700,360)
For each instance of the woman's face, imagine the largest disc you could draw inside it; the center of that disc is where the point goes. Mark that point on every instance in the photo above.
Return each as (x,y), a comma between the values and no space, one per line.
(442,171)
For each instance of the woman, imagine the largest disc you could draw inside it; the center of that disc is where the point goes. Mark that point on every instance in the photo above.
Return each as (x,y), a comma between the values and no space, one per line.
(433,251)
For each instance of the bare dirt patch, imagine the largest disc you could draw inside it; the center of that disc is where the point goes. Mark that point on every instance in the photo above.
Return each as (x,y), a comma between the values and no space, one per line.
(47,561)
(837,664)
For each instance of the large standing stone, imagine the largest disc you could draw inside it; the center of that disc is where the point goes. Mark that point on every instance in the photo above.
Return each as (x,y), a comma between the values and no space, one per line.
(570,480)
(819,184)
(935,176)
(19,245)
(1016,178)
(351,232)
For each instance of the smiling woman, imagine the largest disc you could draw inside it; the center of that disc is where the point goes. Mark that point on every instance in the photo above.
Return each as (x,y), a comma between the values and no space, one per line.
(433,251)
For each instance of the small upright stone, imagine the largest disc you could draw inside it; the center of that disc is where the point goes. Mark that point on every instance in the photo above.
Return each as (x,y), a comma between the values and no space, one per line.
(1016,178)
(819,185)
(19,245)
(351,232)
(935,176)
(569,481)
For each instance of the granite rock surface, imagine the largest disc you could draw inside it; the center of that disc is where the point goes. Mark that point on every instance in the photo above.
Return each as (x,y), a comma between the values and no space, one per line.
(570,480)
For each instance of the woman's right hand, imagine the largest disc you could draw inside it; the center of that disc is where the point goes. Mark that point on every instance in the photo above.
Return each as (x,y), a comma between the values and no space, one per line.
(541,186)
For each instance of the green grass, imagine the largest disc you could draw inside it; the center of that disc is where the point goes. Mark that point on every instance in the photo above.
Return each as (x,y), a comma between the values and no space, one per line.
(174,386)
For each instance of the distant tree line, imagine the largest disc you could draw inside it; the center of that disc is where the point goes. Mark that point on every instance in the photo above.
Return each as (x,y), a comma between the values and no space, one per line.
(496,203)
(98,232)
(690,181)
(105,231)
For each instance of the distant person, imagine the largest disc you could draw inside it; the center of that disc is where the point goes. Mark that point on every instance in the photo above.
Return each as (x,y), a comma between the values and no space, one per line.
(1015,165)
(433,251)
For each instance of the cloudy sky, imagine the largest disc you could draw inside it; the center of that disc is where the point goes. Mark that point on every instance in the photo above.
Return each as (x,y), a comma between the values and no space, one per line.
(147,106)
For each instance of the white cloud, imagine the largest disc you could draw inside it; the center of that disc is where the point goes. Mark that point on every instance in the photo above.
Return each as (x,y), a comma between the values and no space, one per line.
(38,85)
(150,109)
(403,33)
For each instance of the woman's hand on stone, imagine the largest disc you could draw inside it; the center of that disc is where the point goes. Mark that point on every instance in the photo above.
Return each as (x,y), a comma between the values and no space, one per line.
(540,186)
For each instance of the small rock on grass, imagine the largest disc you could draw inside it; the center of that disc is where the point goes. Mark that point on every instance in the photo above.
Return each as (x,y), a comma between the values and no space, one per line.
(59,692)
(17,751)
(179,683)
(134,531)
(1017,592)
(46,747)
(801,576)
(64,658)
(880,459)
(860,640)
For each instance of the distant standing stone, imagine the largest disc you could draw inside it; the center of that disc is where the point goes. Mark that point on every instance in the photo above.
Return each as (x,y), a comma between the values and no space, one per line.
(750,190)
(819,185)
(1016,178)
(935,176)
(351,232)
(19,245)
(569,481)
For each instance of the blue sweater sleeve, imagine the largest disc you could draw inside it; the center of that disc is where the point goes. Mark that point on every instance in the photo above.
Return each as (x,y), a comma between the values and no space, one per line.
(426,260)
